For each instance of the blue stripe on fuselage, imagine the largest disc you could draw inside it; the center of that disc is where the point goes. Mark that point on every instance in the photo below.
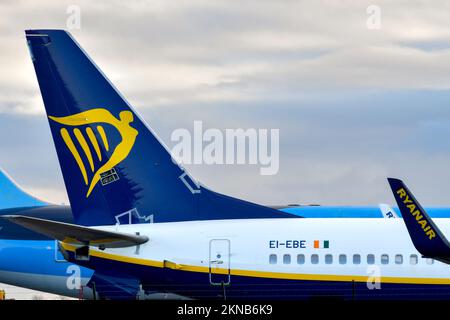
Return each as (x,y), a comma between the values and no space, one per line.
(353,212)
(38,257)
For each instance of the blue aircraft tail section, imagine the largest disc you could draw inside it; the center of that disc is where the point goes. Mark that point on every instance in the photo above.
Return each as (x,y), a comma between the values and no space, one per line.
(114,167)
(424,233)
(13,196)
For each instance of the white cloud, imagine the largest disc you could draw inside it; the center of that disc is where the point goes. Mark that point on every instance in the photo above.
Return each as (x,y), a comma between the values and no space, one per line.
(262,55)
(178,52)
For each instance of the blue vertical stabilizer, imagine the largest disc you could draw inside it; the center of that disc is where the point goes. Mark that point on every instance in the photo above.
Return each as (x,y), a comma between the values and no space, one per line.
(115,168)
(12,196)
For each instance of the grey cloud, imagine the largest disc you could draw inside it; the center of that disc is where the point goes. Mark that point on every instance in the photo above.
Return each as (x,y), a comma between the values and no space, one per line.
(352,105)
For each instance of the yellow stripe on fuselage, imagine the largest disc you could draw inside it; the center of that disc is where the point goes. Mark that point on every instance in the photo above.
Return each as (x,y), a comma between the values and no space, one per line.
(259,274)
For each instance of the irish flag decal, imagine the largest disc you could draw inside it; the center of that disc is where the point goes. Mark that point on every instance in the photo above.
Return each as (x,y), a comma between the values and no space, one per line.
(321,244)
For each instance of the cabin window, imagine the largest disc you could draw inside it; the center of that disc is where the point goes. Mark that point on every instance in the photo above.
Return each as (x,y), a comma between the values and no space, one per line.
(370,259)
(398,259)
(430,261)
(384,259)
(287,259)
(413,259)
(314,259)
(273,259)
(300,259)
(356,259)
(342,259)
(328,259)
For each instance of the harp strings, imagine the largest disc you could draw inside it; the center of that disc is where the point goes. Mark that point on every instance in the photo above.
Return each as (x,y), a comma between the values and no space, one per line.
(82,142)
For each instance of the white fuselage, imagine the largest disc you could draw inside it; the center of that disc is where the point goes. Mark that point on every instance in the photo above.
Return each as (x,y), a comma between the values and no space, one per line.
(252,242)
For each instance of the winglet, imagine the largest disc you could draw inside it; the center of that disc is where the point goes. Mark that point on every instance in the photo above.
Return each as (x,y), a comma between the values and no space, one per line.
(425,235)
(387,212)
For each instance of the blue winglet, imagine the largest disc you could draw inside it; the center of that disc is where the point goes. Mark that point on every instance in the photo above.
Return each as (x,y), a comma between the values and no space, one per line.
(425,235)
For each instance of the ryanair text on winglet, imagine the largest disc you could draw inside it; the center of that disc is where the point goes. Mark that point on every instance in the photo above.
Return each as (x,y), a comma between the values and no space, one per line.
(416,213)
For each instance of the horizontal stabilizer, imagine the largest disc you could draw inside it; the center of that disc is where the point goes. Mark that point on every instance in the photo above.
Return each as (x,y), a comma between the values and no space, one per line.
(78,235)
(425,235)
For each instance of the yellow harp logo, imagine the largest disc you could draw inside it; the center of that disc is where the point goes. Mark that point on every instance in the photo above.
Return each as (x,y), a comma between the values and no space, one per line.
(97,117)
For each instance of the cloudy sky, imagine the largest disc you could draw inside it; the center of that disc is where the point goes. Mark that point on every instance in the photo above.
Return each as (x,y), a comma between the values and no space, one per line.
(354,104)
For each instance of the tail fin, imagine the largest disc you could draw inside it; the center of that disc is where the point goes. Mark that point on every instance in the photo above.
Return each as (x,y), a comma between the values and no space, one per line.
(114,167)
(425,235)
(12,196)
